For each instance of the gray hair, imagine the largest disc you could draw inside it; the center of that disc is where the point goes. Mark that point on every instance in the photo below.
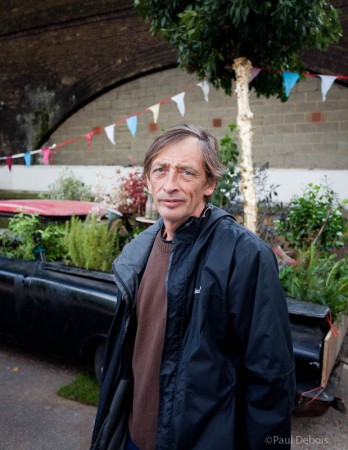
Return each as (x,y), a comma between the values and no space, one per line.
(207,143)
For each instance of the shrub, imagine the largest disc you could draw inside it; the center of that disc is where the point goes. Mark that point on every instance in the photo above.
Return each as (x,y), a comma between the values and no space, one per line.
(90,244)
(26,235)
(318,279)
(68,187)
(122,191)
(313,217)
(227,191)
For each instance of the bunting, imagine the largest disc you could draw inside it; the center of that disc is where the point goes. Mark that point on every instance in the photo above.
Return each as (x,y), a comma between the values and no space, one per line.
(110,132)
(289,80)
(27,158)
(179,100)
(204,85)
(132,123)
(46,154)
(155,111)
(9,161)
(326,83)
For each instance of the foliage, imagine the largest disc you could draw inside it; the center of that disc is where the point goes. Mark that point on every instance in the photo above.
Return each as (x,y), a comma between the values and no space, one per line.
(209,35)
(90,244)
(68,187)
(26,235)
(227,190)
(315,216)
(124,192)
(133,186)
(318,279)
(84,389)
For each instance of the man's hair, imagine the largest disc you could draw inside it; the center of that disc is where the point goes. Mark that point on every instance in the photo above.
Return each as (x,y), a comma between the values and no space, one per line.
(207,143)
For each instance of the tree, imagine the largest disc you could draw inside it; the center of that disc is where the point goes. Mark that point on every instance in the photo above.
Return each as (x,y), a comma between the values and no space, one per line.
(221,40)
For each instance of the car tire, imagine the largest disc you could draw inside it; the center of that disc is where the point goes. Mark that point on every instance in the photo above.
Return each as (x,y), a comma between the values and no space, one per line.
(99,361)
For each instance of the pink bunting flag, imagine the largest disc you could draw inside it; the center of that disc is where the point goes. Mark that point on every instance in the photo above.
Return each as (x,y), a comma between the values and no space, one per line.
(9,160)
(254,73)
(89,136)
(46,154)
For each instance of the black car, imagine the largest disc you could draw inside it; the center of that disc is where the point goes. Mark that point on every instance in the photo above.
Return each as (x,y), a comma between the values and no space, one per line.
(68,311)
(60,309)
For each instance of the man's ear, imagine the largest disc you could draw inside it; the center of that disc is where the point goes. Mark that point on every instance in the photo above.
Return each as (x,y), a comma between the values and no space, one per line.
(210,188)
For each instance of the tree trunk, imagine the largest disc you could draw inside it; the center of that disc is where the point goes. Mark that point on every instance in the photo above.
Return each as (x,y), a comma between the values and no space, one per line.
(242,68)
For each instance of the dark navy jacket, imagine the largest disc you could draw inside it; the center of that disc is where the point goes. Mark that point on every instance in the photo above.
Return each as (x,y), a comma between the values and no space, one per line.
(227,371)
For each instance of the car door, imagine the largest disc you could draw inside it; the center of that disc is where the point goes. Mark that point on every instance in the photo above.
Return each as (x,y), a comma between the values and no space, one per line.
(15,278)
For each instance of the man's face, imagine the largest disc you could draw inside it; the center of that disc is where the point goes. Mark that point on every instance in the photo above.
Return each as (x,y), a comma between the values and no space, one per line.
(178,182)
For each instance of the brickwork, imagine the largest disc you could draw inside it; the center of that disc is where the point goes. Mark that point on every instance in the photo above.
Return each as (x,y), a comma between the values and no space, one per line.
(286,135)
(57,56)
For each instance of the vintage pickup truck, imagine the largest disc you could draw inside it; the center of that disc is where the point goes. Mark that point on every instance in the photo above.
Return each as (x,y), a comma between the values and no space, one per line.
(67,311)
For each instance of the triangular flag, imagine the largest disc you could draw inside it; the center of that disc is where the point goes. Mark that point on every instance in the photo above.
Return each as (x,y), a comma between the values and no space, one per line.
(289,79)
(254,73)
(89,136)
(179,100)
(204,85)
(132,124)
(46,154)
(326,83)
(27,158)
(9,162)
(155,111)
(110,132)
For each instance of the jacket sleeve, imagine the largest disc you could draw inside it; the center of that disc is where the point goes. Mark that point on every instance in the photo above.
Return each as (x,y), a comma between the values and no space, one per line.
(261,325)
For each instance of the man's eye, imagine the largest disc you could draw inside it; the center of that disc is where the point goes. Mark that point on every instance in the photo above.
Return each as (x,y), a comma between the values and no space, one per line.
(187,173)
(158,170)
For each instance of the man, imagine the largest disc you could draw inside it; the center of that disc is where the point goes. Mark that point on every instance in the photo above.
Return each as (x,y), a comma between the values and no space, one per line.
(199,355)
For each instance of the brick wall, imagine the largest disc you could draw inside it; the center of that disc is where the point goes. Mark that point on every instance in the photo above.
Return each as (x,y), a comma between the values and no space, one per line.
(304,132)
(58,55)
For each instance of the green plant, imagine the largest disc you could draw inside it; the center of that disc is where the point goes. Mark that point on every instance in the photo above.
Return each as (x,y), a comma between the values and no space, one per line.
(313,217)
(221,40)
(90,244)
(318,278)
(26,235)
(84,389)
(227,190)
(68,187)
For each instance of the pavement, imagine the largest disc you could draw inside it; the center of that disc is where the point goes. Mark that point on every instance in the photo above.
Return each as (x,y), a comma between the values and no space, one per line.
(34,417)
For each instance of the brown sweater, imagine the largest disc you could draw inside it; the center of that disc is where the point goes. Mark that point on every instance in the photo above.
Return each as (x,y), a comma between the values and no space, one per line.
(152,317)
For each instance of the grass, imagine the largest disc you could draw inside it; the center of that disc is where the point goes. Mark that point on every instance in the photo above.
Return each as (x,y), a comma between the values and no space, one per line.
(84,389)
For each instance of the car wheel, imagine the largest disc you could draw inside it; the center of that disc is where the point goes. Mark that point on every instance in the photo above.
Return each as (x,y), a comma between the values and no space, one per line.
(99,361)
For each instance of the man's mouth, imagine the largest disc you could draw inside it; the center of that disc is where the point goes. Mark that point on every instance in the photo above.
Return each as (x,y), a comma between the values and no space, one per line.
(171,202)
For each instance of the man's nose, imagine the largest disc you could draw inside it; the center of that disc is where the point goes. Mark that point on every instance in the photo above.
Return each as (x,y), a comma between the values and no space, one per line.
(171,181)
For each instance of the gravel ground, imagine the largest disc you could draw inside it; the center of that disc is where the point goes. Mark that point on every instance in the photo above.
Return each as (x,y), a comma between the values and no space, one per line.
(34,417)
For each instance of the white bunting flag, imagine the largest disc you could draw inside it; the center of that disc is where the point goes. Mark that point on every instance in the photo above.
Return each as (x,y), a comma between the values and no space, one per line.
(110,132)
(179,100)
(155,111)
(326,83)
(204,85)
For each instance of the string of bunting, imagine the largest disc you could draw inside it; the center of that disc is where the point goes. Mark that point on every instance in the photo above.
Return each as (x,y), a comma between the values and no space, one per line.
(289,81)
